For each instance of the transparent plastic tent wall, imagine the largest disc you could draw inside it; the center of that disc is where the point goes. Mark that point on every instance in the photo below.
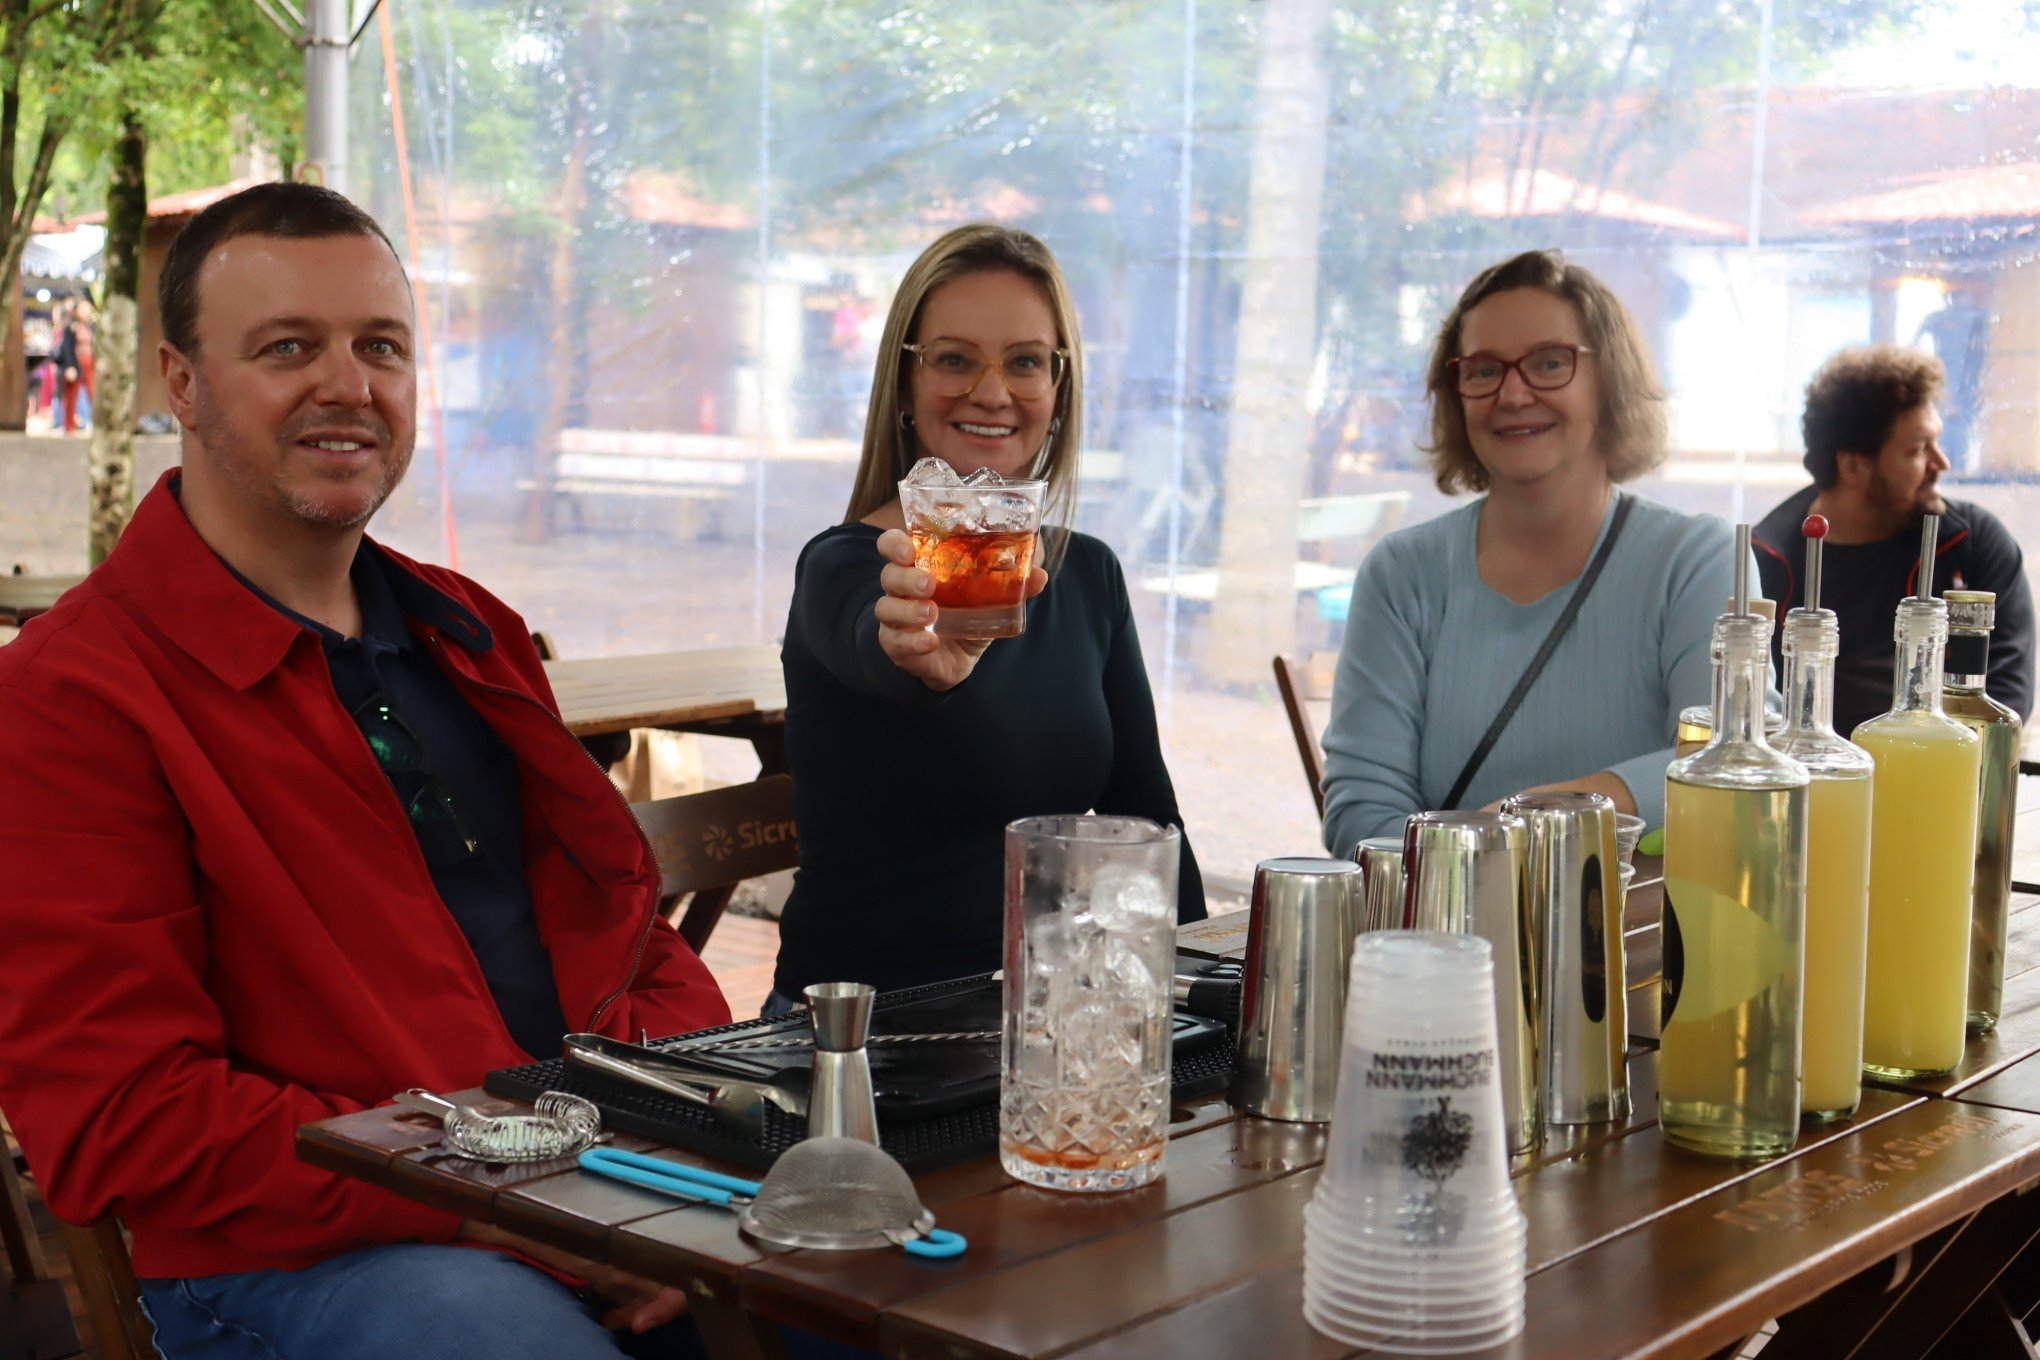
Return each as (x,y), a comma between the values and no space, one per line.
(657,241)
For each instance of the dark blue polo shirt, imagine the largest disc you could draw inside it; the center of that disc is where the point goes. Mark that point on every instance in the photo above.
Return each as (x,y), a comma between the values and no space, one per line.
(472,833)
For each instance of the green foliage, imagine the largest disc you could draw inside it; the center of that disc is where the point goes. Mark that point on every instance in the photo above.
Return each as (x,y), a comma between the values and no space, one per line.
(208,77)
(886,116)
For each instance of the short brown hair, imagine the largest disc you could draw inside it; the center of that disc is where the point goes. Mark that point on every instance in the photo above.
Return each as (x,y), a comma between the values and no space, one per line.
(1855,399)
(889,447)
(1631,424)
(282,208)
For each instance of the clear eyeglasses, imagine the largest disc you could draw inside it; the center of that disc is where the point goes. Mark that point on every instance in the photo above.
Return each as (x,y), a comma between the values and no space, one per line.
(954,368)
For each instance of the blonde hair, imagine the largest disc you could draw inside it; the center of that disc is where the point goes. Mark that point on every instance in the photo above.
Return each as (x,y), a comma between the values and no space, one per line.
(1631,423)
(890,447)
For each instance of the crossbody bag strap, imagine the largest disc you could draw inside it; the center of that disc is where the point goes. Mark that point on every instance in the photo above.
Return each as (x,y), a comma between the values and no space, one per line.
(1536,668)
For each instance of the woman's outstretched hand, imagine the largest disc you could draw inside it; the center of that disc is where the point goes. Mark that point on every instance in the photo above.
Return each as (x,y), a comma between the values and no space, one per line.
(906,614)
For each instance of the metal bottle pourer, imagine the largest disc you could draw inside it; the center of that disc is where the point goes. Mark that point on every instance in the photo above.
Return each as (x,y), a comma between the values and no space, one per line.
(1742,570)
(1930,537)
(1815,529)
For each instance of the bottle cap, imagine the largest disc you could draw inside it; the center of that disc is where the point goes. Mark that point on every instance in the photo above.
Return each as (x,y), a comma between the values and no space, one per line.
(1973,611)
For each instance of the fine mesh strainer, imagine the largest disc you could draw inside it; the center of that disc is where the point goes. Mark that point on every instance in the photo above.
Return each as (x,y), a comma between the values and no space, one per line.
(836,1194)
(559,1125)
(841,1194)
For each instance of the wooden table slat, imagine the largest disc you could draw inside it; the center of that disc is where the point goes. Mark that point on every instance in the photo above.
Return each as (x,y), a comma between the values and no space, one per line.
(1102,1285)
(667,689)
(1687,1282)
(1696,1279)
(842,1295)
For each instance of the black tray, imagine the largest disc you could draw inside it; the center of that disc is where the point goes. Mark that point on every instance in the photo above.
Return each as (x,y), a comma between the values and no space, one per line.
(937,1103)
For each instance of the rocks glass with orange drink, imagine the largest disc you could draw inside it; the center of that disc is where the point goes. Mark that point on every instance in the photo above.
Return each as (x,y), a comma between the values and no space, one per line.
(978,537)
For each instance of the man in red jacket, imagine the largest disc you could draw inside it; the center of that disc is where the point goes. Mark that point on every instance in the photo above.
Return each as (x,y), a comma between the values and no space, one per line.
(294,825)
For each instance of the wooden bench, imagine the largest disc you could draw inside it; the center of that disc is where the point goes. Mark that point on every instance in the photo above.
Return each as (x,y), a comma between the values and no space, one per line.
(646,463)
(1341,528)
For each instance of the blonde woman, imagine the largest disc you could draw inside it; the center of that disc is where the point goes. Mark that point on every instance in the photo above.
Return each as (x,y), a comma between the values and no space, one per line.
(1542,397)
(910,752)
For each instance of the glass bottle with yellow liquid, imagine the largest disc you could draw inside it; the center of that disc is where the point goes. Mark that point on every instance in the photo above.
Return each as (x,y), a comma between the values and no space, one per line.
(1735,906)
(1922,861)
(1971,614)
(1837,868)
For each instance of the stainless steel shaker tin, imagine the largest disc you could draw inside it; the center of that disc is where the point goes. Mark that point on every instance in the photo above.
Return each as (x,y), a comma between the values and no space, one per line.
(1292,1017)
(1381,865)
(1576,892)
(1466,874)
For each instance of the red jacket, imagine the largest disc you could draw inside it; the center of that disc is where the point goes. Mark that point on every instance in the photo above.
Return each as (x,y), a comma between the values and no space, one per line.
(216,924)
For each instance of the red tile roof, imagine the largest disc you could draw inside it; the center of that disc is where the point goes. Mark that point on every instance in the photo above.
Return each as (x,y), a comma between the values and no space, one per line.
(188,203)
(1965,194)
(1546,193)
(669,197)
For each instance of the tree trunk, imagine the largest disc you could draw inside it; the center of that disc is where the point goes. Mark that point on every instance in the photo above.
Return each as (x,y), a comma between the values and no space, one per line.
(119,341)
(1266,454)
(566,284)
(107,25)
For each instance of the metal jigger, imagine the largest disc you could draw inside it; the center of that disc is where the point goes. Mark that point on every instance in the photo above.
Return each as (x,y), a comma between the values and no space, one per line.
(1467,874)
(841,1105)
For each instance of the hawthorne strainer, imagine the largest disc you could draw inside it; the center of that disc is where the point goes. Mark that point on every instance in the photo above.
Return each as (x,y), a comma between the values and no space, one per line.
(843,1194)
(559,1125)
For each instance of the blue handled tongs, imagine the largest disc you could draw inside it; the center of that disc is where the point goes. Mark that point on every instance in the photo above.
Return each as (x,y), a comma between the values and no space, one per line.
(709,1187)
(671,1178)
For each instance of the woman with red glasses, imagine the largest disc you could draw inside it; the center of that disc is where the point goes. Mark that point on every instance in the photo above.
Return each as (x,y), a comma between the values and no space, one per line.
(1543,398)
(911,750)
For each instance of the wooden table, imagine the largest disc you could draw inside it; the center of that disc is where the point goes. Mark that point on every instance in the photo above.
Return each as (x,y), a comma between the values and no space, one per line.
(24,597)
(717,691)
(1890,1225)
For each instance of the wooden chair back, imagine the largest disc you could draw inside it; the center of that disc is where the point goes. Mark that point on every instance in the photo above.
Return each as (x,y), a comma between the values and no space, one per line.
(36,1314)
(1306,685)
(708,843)
(106,1280)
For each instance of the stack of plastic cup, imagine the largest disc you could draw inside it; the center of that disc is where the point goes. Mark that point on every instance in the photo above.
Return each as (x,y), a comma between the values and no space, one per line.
(1628,831)
(1413,1243)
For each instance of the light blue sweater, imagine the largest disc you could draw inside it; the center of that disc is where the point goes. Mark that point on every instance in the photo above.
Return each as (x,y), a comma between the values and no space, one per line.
(1431,654)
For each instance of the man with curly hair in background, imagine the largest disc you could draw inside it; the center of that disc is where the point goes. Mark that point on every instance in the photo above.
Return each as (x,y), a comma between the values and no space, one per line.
(1873,446)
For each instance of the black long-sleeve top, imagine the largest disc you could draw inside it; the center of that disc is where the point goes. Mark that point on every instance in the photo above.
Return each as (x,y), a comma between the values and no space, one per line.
(1863,583)
(901,794)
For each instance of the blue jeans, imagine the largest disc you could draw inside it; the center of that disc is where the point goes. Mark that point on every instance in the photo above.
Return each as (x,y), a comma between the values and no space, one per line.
(778,1004)
(446,1303)
(451,1303)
